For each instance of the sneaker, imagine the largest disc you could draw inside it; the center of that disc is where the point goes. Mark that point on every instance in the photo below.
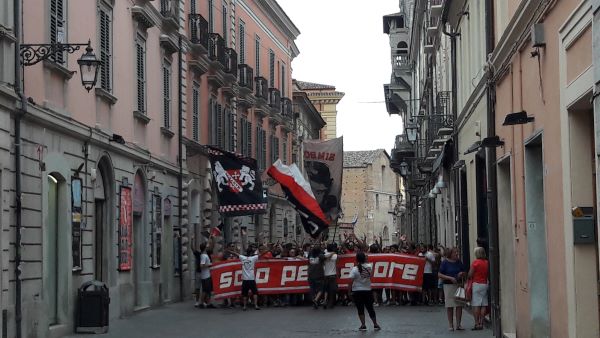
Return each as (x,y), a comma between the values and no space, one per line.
(315,305)
(256,308)
(197,304)
(210,306)
(377,327)
(244,308)
(362,328)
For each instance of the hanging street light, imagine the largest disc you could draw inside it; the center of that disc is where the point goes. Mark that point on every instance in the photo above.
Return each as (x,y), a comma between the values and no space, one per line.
(412,129)
(89,66)
(440,183)
(403,169)
(436,190)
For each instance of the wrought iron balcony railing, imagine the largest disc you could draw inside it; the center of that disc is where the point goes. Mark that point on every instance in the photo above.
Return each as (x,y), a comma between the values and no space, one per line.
(246,76)
(168,8)
(216,48)
(231,65)
(262,88)
(286,107)
(402,148)
(275,99)
(199,30)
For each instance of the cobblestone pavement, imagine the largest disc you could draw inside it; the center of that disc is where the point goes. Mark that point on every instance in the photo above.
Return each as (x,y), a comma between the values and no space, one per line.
(182,320)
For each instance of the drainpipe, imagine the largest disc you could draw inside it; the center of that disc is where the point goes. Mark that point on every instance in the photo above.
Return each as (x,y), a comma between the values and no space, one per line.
(492,197)
(454,91)
(17,140)
(180,161)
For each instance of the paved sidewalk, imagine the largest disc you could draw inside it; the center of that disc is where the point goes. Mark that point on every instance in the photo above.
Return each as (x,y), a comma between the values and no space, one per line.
(182,320)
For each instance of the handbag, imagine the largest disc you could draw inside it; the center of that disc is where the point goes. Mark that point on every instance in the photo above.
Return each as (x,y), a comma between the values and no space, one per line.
(469,289)
(460,294)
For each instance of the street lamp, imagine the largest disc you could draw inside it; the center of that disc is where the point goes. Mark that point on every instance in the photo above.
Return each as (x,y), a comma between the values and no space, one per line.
(411,130)
(403,169)
(88,64)
(440,183)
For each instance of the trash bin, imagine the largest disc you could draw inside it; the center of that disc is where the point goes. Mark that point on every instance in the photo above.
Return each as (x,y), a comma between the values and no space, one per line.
(92,308)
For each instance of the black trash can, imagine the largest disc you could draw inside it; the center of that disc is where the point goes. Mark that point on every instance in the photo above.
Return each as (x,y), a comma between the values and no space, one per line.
(92,308)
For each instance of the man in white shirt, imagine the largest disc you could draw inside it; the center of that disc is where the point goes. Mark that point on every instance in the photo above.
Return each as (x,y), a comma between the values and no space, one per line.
(203,263)
(248,277)
(330,267)
(429,278)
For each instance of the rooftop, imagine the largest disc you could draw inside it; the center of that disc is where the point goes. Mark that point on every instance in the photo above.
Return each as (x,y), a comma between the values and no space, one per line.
(357,159)
(310,85)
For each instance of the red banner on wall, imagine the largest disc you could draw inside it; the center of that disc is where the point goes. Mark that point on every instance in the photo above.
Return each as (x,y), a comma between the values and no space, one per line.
(280,276)
(125,228)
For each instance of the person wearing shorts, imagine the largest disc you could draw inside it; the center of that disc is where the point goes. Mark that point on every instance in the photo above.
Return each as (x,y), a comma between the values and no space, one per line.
(248,277)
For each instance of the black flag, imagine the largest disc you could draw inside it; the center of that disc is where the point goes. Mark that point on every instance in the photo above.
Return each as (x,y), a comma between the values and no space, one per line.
(238,186)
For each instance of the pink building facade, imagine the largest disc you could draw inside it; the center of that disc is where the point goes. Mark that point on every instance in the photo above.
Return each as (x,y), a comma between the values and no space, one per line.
(101,171)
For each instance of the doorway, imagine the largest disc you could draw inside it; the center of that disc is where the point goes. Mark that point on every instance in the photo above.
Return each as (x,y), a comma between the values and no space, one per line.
(506,233)
(141,261)
(536,238)
(464,216)
(52,260)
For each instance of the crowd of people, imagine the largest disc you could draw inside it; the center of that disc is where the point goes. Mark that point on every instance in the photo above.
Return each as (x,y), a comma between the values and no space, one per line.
(444,272)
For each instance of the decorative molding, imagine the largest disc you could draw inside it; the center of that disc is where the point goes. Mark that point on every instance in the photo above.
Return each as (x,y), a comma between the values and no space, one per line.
(167,132)
(264,27)
(59,69)
(141,15)
(168,44)
(140,116)
(105,95)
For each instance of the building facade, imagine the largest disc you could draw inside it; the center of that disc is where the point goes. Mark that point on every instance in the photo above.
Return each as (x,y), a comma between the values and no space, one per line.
(325,98)
(371,196)
(515,164)
(114,184)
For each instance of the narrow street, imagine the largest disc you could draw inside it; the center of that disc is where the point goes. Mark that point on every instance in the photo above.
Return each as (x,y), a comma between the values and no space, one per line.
(182,320)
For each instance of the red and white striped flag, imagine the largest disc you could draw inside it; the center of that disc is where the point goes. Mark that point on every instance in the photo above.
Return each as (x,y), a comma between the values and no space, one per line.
(298,192)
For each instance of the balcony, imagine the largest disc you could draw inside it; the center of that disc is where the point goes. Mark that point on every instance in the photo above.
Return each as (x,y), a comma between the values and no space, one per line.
(432,27)
(246,79)
(436,7)
(286,107)
(275,100)
(216,50)
(170,13)
(261,88)
(400,60)
(231,65)
(199,33)
(429,48)
(403,149)
(393,102)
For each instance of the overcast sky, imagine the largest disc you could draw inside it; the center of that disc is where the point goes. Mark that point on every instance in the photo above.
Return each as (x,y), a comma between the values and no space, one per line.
(342,44)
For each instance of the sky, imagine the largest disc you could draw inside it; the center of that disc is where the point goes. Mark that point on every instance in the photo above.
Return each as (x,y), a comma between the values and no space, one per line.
(342,44)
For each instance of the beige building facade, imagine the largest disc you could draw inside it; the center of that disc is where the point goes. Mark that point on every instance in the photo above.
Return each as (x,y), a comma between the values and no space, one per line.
(371,196)
(325,98)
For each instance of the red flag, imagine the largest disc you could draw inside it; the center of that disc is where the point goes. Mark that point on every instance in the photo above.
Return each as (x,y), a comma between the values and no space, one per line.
(298,192)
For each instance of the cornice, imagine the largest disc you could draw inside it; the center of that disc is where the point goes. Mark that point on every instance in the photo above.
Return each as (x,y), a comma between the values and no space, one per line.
(278,15)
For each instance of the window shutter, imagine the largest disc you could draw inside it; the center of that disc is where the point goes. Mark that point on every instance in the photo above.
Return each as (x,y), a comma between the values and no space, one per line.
(141,86)
(195,111)
(258,142)
(57,27)
(213,122)
(167,95)
(105,44)
(271,69)
(211,16)
(283,81)
(284,156)
(242,42)
(220,138)
(231,131)
(257,49)
(193,6)
(264,149)
(249,138)
(225,24)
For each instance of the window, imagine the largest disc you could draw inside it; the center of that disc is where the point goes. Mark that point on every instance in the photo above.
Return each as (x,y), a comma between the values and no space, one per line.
(225,23)
(271,69)
(242,42)
(57,27)
(156,237)
(216,124)
(283,81)
(245,136)
(257,51)
(261,147)
(274,148)
(229,129)
(140,71)
(166,94)
(211,16)
(284,153)
(377,201)
(105,31)
(196,111)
